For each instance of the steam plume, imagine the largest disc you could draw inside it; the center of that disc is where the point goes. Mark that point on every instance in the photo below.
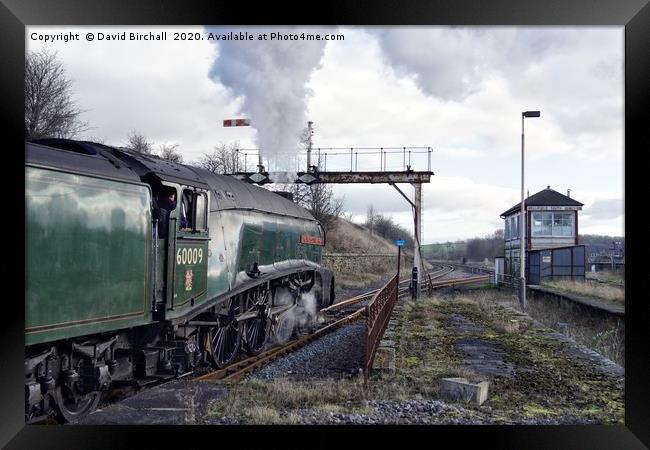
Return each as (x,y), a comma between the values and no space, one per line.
(271,77)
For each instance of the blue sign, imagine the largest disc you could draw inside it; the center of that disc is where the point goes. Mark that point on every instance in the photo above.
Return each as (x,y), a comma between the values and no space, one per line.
(400,243)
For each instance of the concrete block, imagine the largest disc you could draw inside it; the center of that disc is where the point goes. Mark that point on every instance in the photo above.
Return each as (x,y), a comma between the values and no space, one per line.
(461,389)
(386,343)
(384,360)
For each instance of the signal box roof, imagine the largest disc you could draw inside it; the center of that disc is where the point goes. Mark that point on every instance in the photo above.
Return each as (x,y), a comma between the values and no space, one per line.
(546,197)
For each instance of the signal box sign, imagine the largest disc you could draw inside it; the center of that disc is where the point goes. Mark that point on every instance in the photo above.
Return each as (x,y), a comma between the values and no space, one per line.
(313,240)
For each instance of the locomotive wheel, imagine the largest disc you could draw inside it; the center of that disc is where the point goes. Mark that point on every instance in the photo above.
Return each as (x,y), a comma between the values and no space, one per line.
(255,330)
(225,338)
(70,405)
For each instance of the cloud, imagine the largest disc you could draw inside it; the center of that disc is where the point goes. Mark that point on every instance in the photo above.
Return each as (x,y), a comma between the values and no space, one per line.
(160,88)
(452,207)
(604,209)
(457,90)
(573,75)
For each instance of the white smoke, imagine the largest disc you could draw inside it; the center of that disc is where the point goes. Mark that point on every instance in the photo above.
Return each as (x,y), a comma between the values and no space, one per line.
(271,78)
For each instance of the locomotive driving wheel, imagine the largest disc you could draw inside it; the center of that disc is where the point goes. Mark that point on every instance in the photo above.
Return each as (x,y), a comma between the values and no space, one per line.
(71,405)
(225,338)
(255,330)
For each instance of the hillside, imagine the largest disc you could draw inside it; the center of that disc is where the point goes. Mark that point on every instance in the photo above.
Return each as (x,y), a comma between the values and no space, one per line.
(349,237)
(360,259)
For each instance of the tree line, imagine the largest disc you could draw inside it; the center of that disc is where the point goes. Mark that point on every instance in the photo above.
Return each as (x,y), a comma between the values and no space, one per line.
(385,227)
(474,249)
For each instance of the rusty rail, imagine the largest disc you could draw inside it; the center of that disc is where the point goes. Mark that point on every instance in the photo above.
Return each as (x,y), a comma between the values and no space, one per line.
(453,282)
(444,270)
(239,369)
(378,313)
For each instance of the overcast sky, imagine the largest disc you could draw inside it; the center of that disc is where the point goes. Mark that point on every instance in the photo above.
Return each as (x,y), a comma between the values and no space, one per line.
(457,90)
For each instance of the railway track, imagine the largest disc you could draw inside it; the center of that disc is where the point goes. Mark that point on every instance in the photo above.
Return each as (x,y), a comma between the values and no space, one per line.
(239,369)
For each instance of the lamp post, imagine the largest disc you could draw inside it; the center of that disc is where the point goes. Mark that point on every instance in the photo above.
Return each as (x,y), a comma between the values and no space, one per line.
(522,218)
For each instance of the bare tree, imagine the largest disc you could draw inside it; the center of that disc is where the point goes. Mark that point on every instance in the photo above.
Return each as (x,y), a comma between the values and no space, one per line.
(320,201)
(169,152)
(371,217)
(137,142)
(317,198)
(50,111)
(224,158)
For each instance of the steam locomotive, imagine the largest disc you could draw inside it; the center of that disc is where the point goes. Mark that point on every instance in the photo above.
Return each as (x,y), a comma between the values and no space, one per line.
(121,290)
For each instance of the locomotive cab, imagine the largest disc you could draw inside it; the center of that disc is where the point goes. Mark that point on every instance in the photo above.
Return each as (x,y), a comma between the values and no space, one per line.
(182,238)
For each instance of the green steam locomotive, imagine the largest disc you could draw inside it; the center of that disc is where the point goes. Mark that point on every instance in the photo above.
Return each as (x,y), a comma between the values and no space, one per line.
(140,269)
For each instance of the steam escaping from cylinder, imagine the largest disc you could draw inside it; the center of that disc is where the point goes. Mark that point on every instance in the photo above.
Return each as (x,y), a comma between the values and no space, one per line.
(271,78)
(304,315)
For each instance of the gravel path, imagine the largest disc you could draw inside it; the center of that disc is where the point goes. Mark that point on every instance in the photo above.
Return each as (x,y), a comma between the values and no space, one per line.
(416,412)
(426,412)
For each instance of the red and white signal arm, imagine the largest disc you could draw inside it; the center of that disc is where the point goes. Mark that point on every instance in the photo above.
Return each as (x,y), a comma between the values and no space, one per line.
(236,122)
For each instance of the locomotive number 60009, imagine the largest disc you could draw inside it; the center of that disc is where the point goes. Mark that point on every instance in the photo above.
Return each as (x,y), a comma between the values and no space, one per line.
(189,255)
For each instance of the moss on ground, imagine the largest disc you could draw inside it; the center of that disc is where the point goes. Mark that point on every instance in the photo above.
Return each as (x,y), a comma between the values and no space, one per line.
(548,383)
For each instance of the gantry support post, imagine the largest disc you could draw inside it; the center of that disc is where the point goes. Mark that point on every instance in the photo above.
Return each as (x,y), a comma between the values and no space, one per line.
(417,256)
(417,221)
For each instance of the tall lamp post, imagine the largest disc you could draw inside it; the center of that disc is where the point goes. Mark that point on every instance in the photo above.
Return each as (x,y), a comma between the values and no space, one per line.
(522,224)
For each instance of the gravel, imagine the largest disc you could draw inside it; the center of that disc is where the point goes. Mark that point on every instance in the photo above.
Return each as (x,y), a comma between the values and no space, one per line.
(338,354)
(417,412)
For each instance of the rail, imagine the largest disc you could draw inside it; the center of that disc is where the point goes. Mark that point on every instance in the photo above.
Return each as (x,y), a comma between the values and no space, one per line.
(444,270)
(378,313)
(457,281)
(239,369)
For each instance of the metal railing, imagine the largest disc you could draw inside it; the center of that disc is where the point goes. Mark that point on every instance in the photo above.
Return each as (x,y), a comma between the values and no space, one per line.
(378,313)
(354,159)
(508,281)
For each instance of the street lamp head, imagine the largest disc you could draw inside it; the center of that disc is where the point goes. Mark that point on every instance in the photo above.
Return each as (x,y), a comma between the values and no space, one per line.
(531,114)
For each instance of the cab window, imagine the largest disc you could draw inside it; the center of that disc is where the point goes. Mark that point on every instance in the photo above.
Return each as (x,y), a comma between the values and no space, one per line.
(186,210)
(194,211)
(201,211)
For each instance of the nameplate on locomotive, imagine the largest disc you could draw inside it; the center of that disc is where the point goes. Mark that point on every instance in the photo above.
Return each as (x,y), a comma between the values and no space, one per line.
(314,240)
